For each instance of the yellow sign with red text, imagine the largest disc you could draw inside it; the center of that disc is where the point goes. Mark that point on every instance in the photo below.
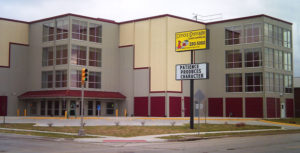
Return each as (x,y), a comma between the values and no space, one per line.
(191,40)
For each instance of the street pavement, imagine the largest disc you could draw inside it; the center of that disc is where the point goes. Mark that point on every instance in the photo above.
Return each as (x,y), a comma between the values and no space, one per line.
(284,143)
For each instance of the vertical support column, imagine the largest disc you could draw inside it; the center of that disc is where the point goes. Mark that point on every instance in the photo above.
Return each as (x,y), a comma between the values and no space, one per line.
(192,96)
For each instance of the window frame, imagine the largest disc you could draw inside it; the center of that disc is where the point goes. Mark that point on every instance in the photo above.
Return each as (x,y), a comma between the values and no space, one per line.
(254,85)
(61,78)
(234,87)
(93,37)
(47,79)
(97,61)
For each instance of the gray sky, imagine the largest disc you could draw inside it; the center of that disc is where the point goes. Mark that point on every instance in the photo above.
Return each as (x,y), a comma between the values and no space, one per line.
(123,10)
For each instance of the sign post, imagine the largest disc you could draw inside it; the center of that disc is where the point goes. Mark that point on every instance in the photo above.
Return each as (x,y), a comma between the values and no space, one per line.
(191,41)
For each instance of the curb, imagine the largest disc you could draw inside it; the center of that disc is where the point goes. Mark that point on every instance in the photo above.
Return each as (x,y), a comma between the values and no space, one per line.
(279,123)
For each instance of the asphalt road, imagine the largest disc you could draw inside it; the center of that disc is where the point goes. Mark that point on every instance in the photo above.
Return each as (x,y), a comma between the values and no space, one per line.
(285,143)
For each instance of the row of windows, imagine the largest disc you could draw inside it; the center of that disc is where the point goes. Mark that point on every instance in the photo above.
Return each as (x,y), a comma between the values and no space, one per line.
(78,56)
(276,82)
(278,36)
(252,33)
(59,29)
(254,82)
(278,59)
(60,79)
(253,58)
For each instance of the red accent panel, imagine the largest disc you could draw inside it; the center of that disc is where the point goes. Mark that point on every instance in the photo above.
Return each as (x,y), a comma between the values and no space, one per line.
(278,107)
(140,106)
(72,93)
(187,106)
(234,106)
(289,107)
(158,106)
(271,108)
(175,106)
(254,107)
(3,105)
(215,107)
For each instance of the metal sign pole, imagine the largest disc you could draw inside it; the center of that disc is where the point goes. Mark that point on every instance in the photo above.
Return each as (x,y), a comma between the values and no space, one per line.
(192,96)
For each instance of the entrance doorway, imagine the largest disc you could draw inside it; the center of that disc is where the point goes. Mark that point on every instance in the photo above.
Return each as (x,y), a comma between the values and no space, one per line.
(3,105)
(72,108)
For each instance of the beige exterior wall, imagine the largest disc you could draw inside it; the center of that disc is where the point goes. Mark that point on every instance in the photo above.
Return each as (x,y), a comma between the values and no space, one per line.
(154,41)
(11,31)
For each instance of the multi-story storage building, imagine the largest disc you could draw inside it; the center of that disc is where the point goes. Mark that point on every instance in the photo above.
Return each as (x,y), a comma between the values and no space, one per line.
(132,67)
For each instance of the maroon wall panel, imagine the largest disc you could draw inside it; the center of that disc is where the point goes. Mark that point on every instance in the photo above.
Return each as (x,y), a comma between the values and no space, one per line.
(215,107)
(175,106)
(158,106)
(254,107)
(271,109)
(297,101)
(186,106)
(140,106)
(289,108)
(3,105)
(278,107)
(234,106)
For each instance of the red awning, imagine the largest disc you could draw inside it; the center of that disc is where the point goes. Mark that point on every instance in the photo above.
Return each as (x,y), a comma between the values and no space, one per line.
(71,94)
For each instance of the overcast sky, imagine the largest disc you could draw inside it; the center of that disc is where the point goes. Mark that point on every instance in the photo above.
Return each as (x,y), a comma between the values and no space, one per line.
(123,10)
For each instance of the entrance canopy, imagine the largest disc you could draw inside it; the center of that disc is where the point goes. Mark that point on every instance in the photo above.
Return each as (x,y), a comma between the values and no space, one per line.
(71,94)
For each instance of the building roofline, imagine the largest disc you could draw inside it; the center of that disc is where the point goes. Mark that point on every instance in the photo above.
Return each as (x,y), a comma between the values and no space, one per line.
(147,18)
(249,17)
(159,16)
(76,15)
(12,20)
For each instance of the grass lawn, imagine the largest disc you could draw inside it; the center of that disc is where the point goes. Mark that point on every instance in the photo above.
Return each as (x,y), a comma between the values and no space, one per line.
(130,131)
(288,120)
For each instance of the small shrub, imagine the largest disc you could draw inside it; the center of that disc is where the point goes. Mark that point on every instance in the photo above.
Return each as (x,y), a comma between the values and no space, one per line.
(226,123)
(143,123)
(240,124)
(84,124)
(173,123)
(292,122)
(50,124)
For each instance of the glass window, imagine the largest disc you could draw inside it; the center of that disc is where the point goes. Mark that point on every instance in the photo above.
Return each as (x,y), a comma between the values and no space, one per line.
(268,32)
(280,36)
(78,55)
(63,107)
(288,84)
(252,33)
(269,57)
(95,57)
(62,28)
(49,107)
(253,57)
(95,80)
(61,78)
(287,38)
(254,82)
(61,54)
(233,35)
(95,33)
(47,59)
(90,108)
(276,59)
(233,59)
(76,78)
(269,81)
(47,79)
(48,32)
(234,82)
(109,108)
(43,108)
(79,30)
(287,61)
(56,108)
(281,81)
(280,60)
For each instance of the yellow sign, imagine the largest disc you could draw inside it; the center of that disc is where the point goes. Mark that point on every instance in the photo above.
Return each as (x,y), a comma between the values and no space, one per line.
(191,40)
